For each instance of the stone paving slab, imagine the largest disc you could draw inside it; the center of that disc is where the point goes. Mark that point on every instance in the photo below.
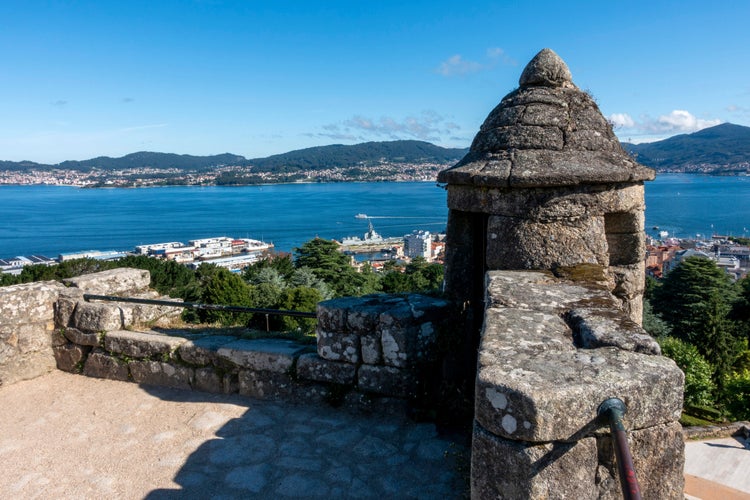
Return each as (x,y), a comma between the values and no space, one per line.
(725,461)
(69,436)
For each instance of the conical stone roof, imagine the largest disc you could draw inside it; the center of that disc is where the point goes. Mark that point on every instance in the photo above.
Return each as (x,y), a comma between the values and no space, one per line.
(545,133)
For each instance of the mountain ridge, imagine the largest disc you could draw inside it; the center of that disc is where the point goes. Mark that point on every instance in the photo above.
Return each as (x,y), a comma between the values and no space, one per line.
(722,149)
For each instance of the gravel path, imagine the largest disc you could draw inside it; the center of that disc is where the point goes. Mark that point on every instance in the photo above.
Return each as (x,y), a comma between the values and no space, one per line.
(68,436)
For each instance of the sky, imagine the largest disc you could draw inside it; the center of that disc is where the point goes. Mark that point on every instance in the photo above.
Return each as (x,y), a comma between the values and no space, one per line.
(81,79)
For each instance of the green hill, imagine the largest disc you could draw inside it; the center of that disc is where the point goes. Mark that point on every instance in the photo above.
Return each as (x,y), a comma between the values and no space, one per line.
(724,149)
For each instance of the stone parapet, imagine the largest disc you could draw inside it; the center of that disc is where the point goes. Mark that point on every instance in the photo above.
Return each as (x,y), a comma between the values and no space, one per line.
(27,333)
(372,345)
(550,353)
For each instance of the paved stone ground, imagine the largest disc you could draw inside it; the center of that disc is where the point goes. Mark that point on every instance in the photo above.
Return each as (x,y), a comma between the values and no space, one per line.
(725,461)
(68,436)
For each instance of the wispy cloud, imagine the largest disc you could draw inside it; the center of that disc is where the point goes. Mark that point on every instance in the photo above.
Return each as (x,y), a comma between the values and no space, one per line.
(427,126)
(456,65)
(143,127)
(127,100)
(676,122)
(59,103)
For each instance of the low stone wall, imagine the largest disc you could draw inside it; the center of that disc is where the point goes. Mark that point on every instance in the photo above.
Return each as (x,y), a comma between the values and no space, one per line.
(550,353)
(27,315)
(367,348)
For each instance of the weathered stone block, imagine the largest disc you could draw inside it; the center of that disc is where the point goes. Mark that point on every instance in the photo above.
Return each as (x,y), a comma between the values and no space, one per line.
(593,328)
(101,365)
(204,351)
(338,346)
(514,243)
(502,468)
(371,347)
(122,281)
(312,367)
(161,374)
(78,337)
(528,395)
(625,222)
(69,356)
(387,380)
(65,306)
(273,385)
(207,380)
(140,344)
(29,302)
(94,317)
(271,355)
(332,313)
(659,459)
(141,314)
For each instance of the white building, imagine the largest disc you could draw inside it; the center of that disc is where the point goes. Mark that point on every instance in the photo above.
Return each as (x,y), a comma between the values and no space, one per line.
(418,244)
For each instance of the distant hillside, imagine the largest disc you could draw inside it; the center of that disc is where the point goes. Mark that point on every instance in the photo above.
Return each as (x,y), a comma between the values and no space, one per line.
(340,156)
(724,148)
(317,158)
(154,160)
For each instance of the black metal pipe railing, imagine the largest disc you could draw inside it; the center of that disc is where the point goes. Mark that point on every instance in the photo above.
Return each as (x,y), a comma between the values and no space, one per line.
(611,412)
(196,305)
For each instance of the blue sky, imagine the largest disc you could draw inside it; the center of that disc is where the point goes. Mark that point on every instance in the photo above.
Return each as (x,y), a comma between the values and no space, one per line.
(81,79)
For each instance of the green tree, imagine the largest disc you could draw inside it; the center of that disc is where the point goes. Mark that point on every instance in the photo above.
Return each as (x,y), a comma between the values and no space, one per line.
(225,288)
(305,277)
(332,266)
(653,323)
(699,385)
(280,262)
(300,299)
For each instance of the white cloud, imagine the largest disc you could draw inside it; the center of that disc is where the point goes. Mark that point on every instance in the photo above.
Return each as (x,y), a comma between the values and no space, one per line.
(680,120)
(647,128)
(427,126)
(619,120)
(456,65)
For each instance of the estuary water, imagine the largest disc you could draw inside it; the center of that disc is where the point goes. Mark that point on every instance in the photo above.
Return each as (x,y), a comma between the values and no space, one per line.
(49,220)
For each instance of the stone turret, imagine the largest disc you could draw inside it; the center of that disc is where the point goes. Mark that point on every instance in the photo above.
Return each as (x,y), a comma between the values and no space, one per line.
(546,185)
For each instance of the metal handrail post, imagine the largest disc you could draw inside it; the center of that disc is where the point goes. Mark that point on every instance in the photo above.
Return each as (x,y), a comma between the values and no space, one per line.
(611,411)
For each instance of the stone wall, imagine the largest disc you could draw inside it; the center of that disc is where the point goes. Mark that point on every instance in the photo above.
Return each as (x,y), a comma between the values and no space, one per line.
(368,352)
(551,351)
(27,315)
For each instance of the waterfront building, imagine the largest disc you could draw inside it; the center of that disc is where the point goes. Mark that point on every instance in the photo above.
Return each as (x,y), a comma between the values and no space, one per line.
(418,244)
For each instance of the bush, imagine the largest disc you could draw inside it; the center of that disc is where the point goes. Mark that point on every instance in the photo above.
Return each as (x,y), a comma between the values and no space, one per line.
(737,395)
(699,386)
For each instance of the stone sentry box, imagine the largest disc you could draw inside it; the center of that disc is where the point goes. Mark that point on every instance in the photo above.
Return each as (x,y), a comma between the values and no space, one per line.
(546,184)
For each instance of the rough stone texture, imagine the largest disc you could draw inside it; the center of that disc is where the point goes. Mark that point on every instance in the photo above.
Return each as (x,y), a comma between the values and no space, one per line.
(387,380)
(546,68)
(312,367)
(26,330)
(550,352)
(162,374)
(141,314)
(272,385)
(658,456)
(207,380)
(271,355)
(338,345)
(101,365)
(68,356)
(204,351)
(65,305)
(78,337)
(601,328)
(95,317)
(140,344)
(121,281)
(514,243)
(507,469)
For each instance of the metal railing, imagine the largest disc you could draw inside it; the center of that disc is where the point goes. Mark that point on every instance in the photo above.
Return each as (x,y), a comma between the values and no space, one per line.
(210,307)
(611,412)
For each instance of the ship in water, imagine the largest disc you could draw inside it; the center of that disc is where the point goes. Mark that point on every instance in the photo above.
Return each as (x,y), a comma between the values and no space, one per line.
(371,237)
(360,216)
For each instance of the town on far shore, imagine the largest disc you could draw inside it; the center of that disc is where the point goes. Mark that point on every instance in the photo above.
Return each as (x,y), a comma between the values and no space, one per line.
(236,254)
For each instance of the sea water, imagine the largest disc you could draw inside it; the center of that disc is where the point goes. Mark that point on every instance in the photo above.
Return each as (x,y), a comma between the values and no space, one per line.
(49,220)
